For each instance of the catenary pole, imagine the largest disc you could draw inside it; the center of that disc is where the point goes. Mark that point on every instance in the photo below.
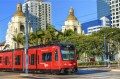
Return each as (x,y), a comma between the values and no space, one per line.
(26,40)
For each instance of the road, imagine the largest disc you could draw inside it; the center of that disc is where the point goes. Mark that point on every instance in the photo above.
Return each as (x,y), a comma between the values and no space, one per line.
(81,74)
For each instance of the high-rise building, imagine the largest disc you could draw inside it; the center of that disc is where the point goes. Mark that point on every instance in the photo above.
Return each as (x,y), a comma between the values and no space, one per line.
(103,8)
(115,13)
(39,14)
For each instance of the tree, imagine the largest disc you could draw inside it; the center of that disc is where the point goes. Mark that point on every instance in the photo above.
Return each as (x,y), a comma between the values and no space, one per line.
(112,36)
(20,39)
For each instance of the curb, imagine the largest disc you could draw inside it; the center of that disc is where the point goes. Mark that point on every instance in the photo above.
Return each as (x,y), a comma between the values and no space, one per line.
(26,75)
(115,70)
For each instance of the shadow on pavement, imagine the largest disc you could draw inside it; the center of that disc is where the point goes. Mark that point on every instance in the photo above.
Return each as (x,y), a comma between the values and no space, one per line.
(82,72)
(33,78)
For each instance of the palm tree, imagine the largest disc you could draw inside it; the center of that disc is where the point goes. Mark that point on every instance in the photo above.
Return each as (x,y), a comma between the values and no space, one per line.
(39,36)
(19,39)
(50,35)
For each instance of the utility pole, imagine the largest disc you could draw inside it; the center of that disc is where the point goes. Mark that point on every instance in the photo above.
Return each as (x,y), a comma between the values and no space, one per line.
(26,40)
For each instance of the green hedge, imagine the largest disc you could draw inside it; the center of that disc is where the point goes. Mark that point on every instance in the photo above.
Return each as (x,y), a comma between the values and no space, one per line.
(90,63)
(100,63)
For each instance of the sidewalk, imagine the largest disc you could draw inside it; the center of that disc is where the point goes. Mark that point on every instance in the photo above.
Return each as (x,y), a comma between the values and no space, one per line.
(117,69)
(103,68)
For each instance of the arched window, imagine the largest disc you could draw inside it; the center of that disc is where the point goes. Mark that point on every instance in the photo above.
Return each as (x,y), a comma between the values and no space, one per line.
(16,30)
(22,28)
(75,30)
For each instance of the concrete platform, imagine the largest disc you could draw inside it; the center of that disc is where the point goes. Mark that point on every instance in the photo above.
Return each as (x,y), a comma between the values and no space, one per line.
(26,74)
(115,70)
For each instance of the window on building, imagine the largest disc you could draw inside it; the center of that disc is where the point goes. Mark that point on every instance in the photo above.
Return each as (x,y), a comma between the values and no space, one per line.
(46,57)
(75,30)
(113,9)
(113,17)
(112,5)
(113,13)
(112,2)
(117,20)
(22,28)
(117,25)
(117,16)
(16,30)
(116,1)
(17,60)
(116,5)
(116,9)
(113,21)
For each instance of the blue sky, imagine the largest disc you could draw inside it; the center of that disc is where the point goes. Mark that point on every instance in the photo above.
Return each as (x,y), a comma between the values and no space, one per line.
(85,10)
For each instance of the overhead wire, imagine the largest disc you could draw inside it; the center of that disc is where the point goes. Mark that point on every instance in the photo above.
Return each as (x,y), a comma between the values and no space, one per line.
(5,18)
(59,23)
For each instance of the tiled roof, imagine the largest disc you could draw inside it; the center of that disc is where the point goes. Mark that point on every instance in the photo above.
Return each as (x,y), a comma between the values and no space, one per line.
(2,43)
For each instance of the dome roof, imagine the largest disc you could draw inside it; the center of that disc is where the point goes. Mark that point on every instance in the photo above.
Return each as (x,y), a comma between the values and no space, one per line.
(19,10)
(19,13)
(71,15)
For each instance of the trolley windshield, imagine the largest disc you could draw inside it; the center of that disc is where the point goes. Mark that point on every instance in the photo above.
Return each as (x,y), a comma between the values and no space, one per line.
(67,52)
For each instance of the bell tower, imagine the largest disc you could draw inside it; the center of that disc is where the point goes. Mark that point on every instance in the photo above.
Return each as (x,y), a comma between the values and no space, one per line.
(72,23)
(19,7)
(15,26)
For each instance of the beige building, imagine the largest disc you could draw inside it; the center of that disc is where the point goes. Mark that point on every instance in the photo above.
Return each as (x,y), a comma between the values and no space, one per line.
(72,23)
(15,26)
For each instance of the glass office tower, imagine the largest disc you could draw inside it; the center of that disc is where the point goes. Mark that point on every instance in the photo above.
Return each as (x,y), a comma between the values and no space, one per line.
(103,8)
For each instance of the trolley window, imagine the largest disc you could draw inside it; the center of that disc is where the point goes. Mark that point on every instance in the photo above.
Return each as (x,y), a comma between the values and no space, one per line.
(17,60)
(46,57)
(0,59)
(56,55)
(67,53)
(7,60)
(32,59)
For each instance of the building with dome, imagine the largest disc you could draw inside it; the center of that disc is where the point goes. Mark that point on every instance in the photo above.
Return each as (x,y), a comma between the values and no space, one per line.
(72,23)
(15,26)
